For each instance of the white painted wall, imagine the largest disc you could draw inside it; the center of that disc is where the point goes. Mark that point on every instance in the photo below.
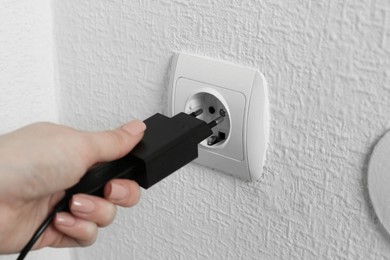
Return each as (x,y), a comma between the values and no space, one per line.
(26,63)
(27,91)
(328,67)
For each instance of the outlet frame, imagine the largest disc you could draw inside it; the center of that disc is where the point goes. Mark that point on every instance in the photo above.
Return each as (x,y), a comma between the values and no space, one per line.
(244,90)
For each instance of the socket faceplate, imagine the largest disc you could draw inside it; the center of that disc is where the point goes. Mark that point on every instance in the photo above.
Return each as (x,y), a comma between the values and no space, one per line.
(242,91)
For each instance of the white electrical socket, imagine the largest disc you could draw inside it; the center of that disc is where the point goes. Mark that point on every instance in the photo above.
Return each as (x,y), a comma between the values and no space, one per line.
(238,144)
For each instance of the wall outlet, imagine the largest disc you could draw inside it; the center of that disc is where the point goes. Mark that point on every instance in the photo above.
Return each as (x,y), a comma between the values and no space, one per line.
(238,144)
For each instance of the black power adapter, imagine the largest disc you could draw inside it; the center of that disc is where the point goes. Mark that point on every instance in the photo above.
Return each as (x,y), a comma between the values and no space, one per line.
(168,144)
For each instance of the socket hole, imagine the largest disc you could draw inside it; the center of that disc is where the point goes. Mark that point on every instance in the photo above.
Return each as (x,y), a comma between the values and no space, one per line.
(222,135)
(211,110)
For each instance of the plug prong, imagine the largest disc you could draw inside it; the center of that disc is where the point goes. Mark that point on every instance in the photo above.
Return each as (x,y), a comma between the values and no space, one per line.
(216,121)
(197,112)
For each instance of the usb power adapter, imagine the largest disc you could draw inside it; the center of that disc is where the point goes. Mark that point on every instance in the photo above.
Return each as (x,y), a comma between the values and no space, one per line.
(168,144)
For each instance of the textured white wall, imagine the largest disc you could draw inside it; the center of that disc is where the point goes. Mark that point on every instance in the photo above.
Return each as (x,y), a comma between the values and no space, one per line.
(27,91)
(328,67)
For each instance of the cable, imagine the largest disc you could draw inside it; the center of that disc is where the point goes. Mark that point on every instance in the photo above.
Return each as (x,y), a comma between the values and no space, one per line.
(59,207)
(168,144)
(36,236)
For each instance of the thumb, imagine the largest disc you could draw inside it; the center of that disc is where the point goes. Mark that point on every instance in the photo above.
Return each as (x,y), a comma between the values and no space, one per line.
(114,144)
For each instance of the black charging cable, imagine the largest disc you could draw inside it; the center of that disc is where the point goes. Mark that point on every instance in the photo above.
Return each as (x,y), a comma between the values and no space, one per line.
(168,144)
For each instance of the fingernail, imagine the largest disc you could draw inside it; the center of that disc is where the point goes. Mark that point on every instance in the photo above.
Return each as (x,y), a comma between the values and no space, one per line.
(82,205)
(118,192)
(135,127)
(65,219)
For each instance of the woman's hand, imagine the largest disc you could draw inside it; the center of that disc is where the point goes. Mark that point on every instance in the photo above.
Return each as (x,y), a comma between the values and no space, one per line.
(39,162)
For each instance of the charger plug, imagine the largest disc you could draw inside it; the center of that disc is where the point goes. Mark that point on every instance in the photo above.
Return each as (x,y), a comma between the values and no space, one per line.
(168,144)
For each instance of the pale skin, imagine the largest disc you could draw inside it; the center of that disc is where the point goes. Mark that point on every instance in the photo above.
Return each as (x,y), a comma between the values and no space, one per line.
(39,162)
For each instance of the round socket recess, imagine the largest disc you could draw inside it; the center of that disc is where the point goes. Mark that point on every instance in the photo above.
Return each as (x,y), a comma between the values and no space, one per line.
(238,94)
(213,107)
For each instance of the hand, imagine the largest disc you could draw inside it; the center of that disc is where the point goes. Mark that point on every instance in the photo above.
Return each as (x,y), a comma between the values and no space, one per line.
(39,162)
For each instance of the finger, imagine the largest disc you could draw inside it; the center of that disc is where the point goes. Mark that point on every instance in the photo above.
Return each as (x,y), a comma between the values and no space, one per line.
(83,232)
(111,145)
(92,208)
(122,192)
